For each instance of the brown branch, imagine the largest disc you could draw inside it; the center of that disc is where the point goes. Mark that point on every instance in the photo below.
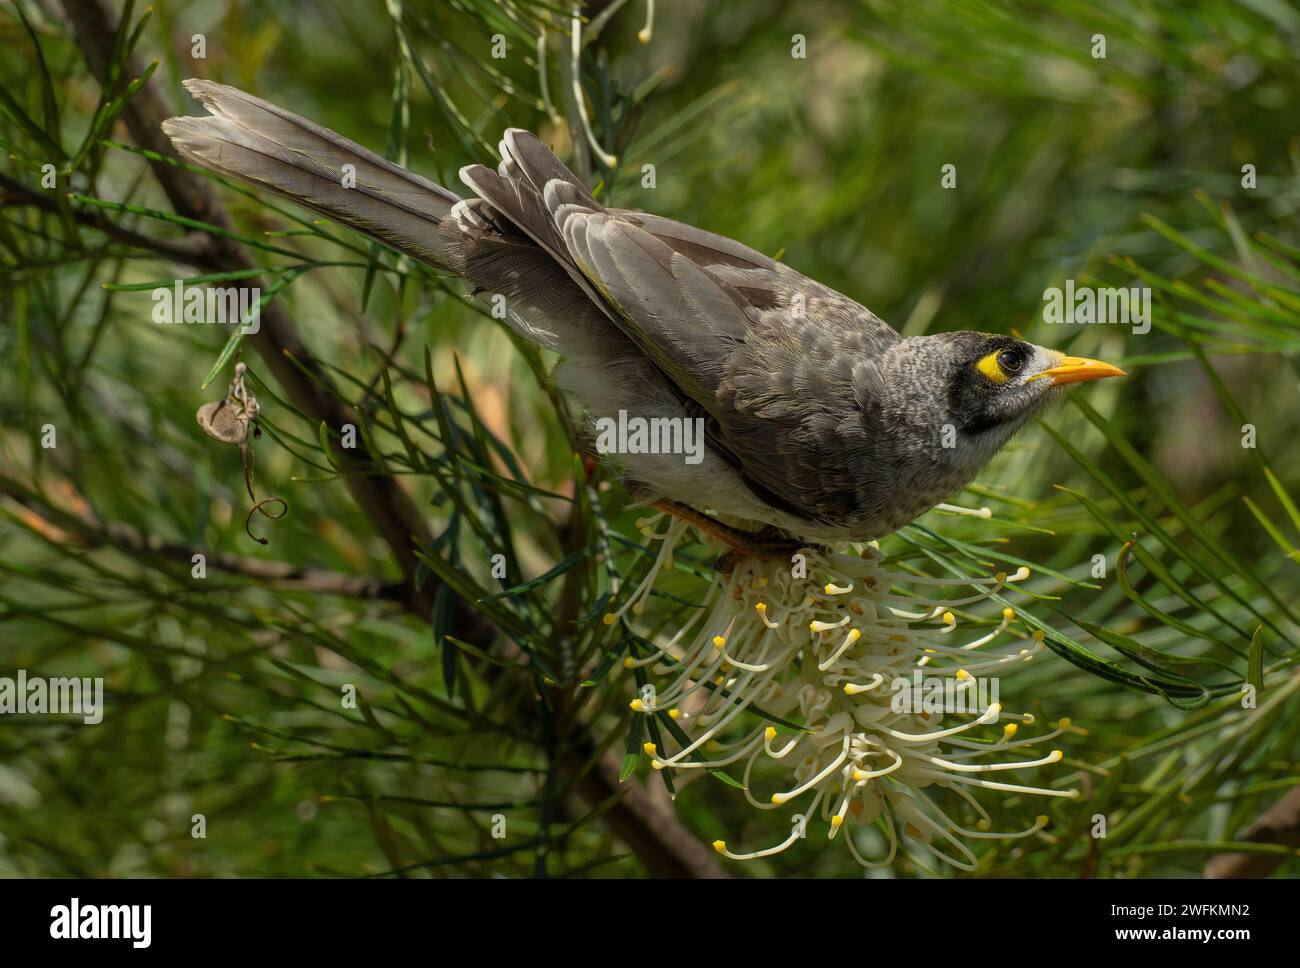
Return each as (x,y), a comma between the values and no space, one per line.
(187,253)
(388,506)
(1279,824)
(87,530)
(647,825)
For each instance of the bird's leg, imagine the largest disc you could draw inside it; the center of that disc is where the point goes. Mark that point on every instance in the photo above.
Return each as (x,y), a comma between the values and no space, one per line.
(768,543)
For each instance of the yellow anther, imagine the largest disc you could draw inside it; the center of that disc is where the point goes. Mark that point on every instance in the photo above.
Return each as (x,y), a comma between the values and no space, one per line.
(719,642)
(1039,635)
(770,733)
(629,662)
(1008,613)
(648,749)
(983,824)
(720,846)
(674,713)
(1009,730)
(950,618)
(610,618)
(1064,723)
(836,822)
(1000,578)
(636,705)
(1043,820)
(963,675)
(778,798)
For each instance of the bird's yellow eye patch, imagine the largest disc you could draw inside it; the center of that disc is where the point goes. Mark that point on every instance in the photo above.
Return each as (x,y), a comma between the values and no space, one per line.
(990,367)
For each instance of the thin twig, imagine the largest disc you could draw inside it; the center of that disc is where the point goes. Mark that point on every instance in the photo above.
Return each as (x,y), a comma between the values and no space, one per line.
(187,253)
(88,531)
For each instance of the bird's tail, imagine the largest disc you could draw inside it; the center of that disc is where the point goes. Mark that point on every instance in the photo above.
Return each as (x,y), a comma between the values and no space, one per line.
(255,141)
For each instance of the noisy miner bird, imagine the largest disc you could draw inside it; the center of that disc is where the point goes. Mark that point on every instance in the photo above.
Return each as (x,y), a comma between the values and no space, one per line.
(818,419)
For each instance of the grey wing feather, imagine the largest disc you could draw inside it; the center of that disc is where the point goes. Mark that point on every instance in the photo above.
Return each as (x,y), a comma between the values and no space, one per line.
(781,367)
(681,317)
(784,368)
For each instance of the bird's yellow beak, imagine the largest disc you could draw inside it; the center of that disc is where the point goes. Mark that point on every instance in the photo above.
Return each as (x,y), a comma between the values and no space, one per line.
(1076,369)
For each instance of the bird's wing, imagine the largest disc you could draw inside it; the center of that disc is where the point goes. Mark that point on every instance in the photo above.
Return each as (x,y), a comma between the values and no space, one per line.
(779,365)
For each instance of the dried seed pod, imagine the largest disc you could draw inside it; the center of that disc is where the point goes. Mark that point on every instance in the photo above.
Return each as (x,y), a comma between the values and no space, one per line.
(220,421)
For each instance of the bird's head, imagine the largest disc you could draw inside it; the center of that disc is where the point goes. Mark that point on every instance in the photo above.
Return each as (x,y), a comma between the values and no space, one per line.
(974,390)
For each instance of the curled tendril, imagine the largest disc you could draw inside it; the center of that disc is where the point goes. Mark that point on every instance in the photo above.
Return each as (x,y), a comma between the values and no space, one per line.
(259,507)
(259,504)
(244,407)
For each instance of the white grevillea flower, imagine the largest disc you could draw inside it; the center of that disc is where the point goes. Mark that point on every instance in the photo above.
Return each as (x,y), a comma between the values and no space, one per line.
(823,643)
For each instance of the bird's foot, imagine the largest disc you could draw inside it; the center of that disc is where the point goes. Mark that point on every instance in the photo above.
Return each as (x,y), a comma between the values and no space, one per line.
(770,542)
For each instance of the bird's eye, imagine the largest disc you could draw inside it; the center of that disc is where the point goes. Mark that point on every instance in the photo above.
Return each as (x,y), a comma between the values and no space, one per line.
(1011,361)
(1001,365)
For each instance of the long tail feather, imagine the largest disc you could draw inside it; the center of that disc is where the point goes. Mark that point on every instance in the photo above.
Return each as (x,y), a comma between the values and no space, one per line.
(257,142)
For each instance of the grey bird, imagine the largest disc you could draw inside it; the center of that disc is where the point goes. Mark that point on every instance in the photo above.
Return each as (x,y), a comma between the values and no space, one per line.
(819,420)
